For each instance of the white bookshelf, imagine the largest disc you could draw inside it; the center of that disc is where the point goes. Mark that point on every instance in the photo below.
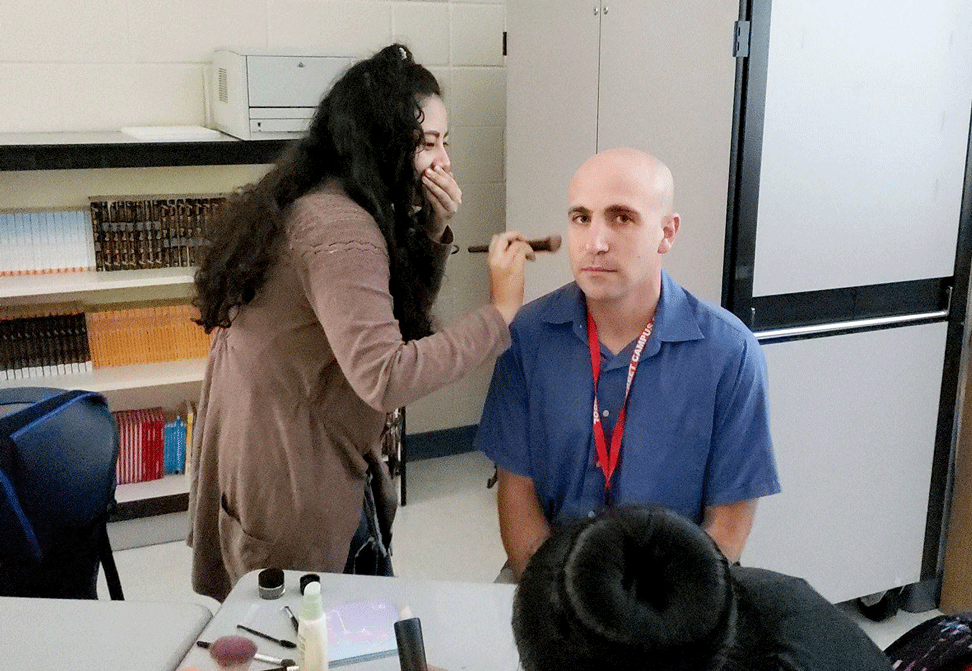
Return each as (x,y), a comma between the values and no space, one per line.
(169,485)
(60,284)
(120,378)
(89,155)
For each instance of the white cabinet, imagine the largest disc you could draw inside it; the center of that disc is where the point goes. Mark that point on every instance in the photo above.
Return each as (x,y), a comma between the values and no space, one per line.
(585,76)
(853,424)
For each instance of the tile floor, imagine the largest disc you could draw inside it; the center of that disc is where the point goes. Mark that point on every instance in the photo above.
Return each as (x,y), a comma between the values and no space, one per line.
(447,531)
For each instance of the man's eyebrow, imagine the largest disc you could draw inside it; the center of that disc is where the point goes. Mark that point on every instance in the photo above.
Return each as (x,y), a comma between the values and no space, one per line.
(435,133)
(578,209)
(620,209)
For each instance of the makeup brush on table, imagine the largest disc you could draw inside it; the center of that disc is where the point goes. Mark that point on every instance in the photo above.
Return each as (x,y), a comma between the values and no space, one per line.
(279,641)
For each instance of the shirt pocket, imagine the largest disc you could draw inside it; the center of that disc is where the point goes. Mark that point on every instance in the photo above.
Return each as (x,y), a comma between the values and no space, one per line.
(664,457)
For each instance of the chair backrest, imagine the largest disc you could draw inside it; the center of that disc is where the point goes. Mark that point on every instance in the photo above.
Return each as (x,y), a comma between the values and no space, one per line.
(58,453)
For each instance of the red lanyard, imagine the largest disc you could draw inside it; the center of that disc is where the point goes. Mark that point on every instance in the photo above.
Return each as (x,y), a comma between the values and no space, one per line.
(608,462)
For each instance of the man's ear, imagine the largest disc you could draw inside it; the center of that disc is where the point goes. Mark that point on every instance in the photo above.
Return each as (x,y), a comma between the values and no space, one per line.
(670,229)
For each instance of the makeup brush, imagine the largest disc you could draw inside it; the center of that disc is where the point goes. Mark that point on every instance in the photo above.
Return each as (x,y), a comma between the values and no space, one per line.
(285,662)
(258,657)
(551,243)
(279,641)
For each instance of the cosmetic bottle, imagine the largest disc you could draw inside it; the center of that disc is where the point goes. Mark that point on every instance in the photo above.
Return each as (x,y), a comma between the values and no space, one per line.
(312,631)
(411,646)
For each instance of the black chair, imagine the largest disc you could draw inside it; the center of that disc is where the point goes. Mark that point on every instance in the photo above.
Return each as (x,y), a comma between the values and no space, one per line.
(58,451)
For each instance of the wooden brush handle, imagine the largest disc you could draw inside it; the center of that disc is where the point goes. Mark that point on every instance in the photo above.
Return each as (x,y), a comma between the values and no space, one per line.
(551,243)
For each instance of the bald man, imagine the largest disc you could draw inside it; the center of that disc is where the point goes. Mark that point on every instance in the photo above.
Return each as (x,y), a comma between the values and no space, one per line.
(679,417)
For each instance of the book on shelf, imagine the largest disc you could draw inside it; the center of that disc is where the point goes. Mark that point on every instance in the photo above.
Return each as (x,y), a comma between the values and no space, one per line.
(140,453)
(152,443)
(190,418)
(45,241)
(35,345)
(139,232)
(112,233)
(174,449)
(140,335)
(63,340)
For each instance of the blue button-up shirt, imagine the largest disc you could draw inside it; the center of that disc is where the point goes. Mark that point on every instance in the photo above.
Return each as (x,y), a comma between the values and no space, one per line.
(697,428)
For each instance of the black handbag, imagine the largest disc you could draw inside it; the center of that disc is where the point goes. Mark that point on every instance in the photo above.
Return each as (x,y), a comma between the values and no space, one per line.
(942,643)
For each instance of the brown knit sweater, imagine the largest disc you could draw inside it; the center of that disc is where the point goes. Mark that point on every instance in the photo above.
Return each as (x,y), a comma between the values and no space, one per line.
(295,395)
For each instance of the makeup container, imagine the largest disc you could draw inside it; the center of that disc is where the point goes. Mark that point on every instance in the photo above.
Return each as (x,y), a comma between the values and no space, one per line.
(270,582)
(411,645)
(312,631)
(306,579)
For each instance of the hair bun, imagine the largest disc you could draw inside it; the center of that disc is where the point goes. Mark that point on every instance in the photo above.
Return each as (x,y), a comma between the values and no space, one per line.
(634,584)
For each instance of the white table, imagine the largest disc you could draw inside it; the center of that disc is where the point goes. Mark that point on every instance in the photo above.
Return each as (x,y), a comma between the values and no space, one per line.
(58,634)
(465,625)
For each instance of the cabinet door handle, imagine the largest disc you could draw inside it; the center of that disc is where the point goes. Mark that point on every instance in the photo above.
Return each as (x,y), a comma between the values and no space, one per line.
(604,10)
(596,11)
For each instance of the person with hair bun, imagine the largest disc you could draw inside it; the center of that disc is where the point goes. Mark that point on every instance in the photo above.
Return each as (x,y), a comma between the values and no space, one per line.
(318,282)
(642,588)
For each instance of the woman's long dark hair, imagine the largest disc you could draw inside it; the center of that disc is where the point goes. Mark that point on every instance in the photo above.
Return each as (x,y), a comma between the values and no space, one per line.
(363,136)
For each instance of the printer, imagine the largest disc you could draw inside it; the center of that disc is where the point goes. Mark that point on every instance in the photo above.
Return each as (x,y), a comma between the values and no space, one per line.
(264,95)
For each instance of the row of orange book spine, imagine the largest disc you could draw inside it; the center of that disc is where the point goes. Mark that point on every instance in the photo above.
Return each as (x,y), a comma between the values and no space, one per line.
(72,341)
(145,335)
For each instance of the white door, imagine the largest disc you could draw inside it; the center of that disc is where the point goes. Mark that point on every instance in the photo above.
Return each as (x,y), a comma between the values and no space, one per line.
(666,85)
(584,76)
(551,119)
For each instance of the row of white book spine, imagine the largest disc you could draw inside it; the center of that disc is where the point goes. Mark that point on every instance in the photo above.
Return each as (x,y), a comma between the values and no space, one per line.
(44,242)
(33,372)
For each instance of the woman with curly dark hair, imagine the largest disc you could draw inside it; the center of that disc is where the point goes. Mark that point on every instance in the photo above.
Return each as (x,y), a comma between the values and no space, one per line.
(319,282)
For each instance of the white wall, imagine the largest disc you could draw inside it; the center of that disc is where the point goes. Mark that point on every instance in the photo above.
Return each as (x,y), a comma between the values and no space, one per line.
(87,65)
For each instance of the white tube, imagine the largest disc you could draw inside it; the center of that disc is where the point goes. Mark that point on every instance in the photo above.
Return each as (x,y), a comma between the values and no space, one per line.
(312,631)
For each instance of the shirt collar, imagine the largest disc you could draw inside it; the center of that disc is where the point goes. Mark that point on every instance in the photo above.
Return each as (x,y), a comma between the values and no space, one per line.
(674,318)
(566,305)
